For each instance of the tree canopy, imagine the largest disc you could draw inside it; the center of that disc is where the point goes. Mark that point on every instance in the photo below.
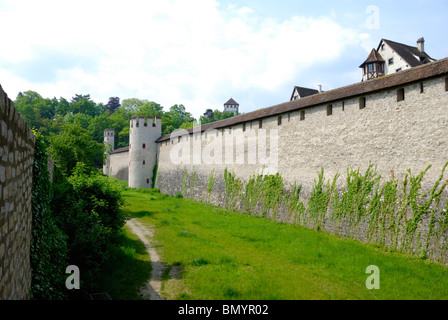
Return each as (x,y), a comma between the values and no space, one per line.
(61,117)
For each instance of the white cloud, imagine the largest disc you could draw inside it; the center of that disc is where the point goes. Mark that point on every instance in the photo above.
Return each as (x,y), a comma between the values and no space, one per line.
(191,52)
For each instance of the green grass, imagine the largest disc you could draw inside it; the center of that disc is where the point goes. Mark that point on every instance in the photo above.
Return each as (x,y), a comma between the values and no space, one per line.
(228,255)
(128,269)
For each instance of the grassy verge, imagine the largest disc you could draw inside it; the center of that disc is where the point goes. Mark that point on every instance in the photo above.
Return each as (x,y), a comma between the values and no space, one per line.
(129,268)
(227,255)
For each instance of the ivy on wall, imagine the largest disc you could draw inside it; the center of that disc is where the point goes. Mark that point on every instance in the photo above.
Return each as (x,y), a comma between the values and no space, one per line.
(389,213)
(48,243)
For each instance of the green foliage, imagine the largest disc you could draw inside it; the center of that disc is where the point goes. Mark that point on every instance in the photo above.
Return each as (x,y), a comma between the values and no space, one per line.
(227,255)
(178,195)
(320,199)
(174,118)
(88,207)
(184,183)
(75,144)
(98,195)
(364,207)
(215,115)
(193,178)
(211,183)
(233,187)
(48,244)
(154,174)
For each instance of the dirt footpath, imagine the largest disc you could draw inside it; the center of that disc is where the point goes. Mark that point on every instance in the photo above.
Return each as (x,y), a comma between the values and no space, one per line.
(152,289)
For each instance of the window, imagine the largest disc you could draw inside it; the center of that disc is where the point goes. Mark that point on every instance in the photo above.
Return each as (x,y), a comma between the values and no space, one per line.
(398,70)
(400,94)
(145,124)
(343,105)
(260,123)
(382,46)
(147,181)
(144,146)
(279,120)
(302,115)
(391,61)
(244,127)
(144,162)
(421,87)
(329,110)
(362,102)
(179,139)
(370,67)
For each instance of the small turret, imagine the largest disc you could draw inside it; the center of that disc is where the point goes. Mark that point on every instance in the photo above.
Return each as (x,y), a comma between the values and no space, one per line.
(109,141)
(231,106)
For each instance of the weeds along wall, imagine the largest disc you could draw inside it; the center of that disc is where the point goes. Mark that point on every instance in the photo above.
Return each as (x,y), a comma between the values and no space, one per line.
(16,171)
(401,125)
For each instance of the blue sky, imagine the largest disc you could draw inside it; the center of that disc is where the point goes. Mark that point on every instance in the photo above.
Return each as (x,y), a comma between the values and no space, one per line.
(199,53)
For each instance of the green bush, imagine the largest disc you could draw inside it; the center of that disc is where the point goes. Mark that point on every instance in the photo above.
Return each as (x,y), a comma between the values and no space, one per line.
(88,207)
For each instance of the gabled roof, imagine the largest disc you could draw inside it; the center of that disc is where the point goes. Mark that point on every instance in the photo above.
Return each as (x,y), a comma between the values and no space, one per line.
(410,54)
(231,101)
(410,75)
(303,92)
(374,56)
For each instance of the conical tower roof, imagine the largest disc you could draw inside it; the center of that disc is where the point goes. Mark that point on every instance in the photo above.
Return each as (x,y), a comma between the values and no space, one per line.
(374,56)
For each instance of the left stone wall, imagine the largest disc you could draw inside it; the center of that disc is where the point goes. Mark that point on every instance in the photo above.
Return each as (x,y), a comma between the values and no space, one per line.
(16,170)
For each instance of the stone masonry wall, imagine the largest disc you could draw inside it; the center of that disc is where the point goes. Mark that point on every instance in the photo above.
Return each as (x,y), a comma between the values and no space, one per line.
(16,168)
(393,135)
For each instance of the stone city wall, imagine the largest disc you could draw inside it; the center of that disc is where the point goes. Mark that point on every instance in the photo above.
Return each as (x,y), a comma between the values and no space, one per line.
(16,170)
(353,131)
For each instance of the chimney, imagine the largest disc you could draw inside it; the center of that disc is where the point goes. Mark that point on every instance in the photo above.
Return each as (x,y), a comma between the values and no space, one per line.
(421,44)
(319,88)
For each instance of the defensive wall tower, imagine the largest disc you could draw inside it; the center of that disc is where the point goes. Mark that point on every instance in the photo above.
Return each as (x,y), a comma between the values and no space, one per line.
(143,132)
(109,142)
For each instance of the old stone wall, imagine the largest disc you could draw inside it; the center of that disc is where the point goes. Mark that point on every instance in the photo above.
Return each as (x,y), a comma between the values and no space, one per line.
(373,128)
(394,135)
(16,169)
(119,165)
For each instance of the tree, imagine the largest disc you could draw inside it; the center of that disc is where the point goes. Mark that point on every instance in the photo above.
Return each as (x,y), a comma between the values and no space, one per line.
(75,144)
(130,105)
(63,107)
(34,108)
(149,108)
(216,115)
(113,104)
(174,118)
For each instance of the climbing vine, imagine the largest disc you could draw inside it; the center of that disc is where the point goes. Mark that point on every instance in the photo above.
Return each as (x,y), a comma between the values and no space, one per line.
(389,213)
(48,243)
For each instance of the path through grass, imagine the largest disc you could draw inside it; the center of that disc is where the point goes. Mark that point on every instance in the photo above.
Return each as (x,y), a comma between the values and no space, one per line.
(228,255)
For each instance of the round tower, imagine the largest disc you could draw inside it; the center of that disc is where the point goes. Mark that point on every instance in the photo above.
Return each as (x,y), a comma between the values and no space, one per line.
(143,132)
(109,142)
